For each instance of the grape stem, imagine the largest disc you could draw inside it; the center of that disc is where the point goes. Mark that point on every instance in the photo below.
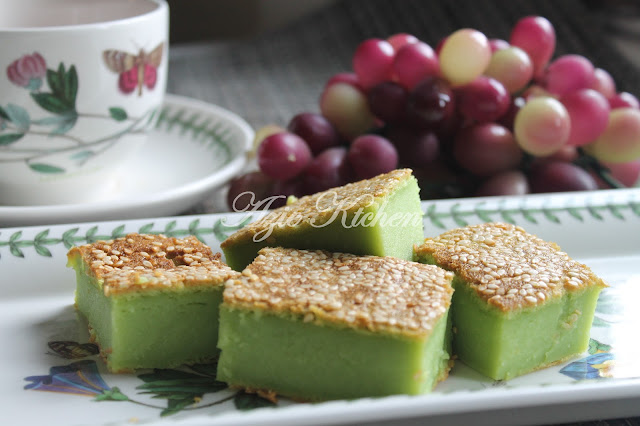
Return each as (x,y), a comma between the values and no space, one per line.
(589,162)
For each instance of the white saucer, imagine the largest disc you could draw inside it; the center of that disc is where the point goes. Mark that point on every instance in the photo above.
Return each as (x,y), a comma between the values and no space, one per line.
(194,149)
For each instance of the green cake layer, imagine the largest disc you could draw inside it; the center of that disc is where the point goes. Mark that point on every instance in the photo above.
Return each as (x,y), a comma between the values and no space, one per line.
(520,304)
(313,325)
(505,346)
(380,216)
(324,361)
(150,301)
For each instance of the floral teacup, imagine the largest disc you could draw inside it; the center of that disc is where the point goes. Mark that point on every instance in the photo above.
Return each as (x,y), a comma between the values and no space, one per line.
(80,84)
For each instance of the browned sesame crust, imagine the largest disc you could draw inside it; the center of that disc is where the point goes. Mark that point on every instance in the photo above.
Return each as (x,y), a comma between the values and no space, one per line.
(268,394)
(370,292)
(140,261)
(508,267)
(318,208)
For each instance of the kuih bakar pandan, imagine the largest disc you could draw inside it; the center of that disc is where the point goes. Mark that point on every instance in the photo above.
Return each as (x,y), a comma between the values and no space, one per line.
(331,310)
(520,303)
(315,325)
(380,216)
(151,301)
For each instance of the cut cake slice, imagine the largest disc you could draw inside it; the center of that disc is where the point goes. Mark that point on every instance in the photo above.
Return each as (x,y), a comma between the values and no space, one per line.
(381,216)
(150,301)
(313,325)
(520,304)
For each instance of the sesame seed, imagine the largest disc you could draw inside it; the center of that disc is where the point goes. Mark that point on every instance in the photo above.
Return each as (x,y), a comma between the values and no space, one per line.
(523,267)
(138,270)
(370,292)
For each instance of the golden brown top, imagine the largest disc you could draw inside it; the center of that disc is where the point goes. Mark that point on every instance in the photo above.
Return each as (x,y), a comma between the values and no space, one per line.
(376,293)
(508,267)
(140,261)
(321,207)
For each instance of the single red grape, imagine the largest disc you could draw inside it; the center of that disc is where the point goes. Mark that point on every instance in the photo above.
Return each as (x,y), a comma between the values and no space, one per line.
(246,191)
(387,101)
(328,170)
(344,77)
(486,149)
(624,100)
(413,62)
(510,182)
(415,148)
(283,156)
(542,126)
(430,103)
(371,155)
(536,36)
(372,61)
(484,99)
(346,107)
(316,130)
(626,173)
(558,176)
(464,56)
(498,44)
(569,73)
(589,114)
(401,39)
(603,83)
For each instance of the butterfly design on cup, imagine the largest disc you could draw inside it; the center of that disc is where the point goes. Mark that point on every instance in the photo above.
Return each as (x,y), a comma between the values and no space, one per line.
(136,70)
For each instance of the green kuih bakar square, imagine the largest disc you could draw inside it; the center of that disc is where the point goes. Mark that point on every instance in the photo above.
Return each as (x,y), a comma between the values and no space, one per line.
(315,325)
(520,304)
(379,216)
(150,301)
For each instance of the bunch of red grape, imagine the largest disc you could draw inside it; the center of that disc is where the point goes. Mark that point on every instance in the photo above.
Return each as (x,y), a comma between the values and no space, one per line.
(475,116)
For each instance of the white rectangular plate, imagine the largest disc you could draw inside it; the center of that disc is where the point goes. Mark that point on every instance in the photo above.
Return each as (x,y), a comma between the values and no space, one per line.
(51,375)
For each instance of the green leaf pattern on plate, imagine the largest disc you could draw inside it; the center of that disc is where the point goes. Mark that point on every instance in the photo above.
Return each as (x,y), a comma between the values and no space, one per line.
(518,216)
(69,238)
(440,216)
